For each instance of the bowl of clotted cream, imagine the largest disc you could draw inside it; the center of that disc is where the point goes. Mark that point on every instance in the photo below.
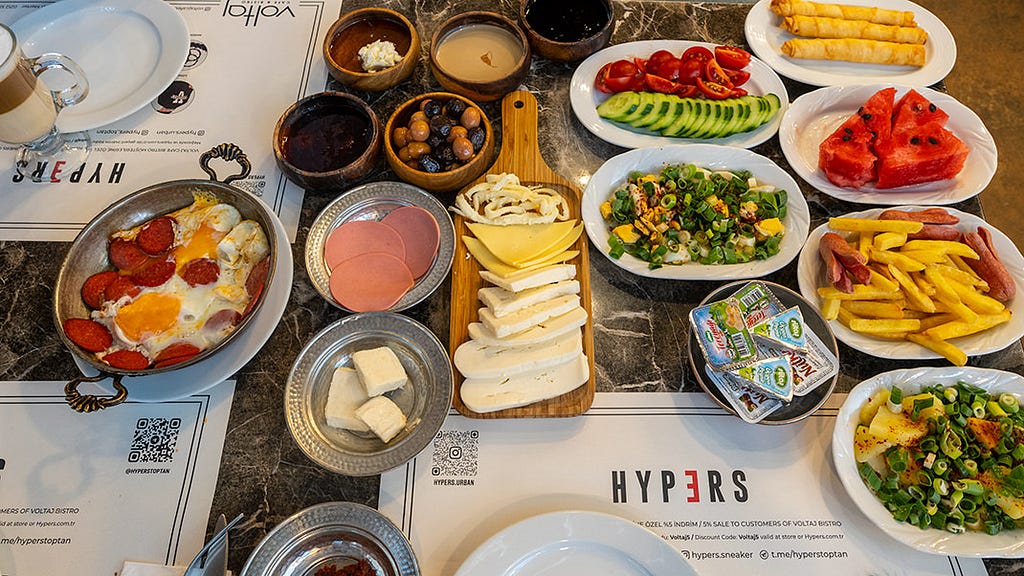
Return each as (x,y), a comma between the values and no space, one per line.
(371,49)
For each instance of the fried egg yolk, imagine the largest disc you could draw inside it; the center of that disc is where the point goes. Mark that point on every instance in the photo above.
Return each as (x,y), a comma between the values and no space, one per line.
(147,316)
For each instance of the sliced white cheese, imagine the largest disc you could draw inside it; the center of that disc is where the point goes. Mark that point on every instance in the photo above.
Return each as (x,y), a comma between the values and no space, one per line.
(477,360)
(491,394)
(548,330)
(496,266)
(518,242)
(502,302)
(528,317)
(383,416)
(345,395)
(531,279)
(379,370)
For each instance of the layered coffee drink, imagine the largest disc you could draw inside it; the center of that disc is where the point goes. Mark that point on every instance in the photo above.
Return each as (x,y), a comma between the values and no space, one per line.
(27,110)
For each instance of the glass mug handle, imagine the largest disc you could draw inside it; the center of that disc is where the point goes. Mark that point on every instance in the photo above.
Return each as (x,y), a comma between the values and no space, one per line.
(67,96)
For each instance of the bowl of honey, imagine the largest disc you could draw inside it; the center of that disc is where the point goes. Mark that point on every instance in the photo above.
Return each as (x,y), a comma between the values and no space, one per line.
(328,141)
(371,49)
(567,30)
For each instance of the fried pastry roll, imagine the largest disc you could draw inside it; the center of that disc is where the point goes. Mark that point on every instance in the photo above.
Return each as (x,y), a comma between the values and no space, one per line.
(820,27)
(855,50)
(844,11)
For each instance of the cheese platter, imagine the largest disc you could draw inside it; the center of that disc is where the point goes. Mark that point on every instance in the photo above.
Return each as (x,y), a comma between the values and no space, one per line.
(542,264)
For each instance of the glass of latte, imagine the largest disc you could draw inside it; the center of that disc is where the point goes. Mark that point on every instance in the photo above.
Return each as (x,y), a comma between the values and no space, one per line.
(28,108)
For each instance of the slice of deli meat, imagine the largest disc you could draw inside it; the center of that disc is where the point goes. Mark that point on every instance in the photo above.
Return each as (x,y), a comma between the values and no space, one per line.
(492,394)
(421,235)
(370,281)
(359,237)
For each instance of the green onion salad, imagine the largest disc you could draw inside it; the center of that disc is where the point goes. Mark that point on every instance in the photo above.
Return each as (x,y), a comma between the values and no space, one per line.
(686,213)
(967,470)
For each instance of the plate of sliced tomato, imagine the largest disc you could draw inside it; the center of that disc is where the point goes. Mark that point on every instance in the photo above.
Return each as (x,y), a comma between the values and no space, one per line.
(679,68)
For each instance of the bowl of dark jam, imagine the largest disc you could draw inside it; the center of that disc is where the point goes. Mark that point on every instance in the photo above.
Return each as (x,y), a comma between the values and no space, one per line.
(327,141)
(567,30)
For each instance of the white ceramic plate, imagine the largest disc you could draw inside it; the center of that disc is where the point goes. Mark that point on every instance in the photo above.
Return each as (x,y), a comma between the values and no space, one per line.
(1006,544)
(585,98)
(810,276)
(814,116)
(614,172)
(766,38)
(202,376)
(95,34)
(575,542)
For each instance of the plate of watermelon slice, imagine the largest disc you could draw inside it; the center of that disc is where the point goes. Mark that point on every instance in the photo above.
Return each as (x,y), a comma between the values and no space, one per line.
(888,145)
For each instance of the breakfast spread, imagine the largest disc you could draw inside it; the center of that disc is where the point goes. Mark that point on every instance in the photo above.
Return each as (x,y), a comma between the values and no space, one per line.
(374,263)
(851,33)
(946,457)
(180,283)
(687,213)
(892,277)
(892,145)
(356,399)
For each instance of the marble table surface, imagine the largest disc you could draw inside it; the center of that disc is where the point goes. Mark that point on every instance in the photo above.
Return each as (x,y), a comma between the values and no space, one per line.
(640,324)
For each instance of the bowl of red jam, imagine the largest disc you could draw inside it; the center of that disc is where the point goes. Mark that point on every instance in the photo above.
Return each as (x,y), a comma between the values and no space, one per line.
(328,141)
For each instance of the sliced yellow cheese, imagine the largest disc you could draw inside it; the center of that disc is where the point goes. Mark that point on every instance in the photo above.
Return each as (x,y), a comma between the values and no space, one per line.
(520,242)
(556,248)
(496,266)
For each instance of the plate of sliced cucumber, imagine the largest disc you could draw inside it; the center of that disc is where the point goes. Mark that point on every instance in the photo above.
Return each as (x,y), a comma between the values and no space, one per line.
(640,119)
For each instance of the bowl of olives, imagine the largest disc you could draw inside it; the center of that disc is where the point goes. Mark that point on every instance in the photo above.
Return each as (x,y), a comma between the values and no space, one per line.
(439,141)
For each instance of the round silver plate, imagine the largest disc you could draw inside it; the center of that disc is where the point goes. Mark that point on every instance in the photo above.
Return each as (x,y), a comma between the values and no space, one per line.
(425,400)
(801,406)
(374,201)
(332,533)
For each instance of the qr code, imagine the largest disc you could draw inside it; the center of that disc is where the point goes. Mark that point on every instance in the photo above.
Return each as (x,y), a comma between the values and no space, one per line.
(455,453)
(155,440)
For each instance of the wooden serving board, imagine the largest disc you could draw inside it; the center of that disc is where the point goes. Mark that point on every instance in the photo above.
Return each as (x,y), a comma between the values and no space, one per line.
(520,155)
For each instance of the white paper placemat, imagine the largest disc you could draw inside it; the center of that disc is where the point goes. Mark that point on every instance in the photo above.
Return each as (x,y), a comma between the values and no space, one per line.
(734,498)
(248,62)
(83,493)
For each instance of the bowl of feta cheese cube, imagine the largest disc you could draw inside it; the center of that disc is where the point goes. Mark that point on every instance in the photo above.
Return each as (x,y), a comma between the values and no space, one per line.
(368,393)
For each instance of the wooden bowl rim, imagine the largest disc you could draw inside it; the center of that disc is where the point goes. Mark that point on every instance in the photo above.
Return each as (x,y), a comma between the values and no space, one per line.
(350,18)
(568,45)
(392,155)
(522,65)
(352,99)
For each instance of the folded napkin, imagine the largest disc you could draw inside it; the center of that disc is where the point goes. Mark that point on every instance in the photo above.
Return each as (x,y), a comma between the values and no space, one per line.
(146,569)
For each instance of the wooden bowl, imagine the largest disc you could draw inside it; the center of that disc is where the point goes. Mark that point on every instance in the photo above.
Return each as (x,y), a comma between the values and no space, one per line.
(467,83)
(596,21)
(437,181)
(361,27)
(327,122)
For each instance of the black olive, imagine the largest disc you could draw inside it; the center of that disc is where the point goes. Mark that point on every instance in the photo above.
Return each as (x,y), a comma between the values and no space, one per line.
(435,140)
(441,125)
(432,108)
(454,108)
(429,164)
(932,140)
(445,154)
(915,140)
(477,137)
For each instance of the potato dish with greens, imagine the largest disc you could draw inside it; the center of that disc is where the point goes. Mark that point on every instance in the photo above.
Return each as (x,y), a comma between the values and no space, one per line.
(949,457)
(686,213)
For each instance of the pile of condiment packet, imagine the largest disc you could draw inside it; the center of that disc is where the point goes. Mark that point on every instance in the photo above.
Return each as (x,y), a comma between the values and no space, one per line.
(760,354)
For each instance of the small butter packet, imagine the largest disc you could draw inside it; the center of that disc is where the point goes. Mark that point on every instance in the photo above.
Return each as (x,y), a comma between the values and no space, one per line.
(723,335)
(757,303)
(773,375)
(811,367)
(787,329)
(751,405)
